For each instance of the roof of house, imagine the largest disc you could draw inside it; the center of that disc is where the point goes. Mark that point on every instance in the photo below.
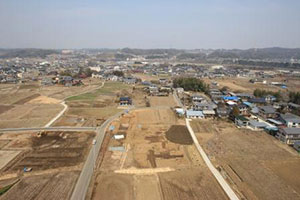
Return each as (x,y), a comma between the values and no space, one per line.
(242,118)
(194,113)
(294,105)
(291,131)
(289,117)
(232,98)
(267,109)
(257,100)
(125,98)
(257,124)
(209,112)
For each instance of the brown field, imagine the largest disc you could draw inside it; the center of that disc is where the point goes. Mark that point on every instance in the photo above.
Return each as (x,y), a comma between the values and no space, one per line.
(55,158)
(52,150)
(153,165)
(29,115)
(256,164)
(162,101)
(243,84)
(50,186)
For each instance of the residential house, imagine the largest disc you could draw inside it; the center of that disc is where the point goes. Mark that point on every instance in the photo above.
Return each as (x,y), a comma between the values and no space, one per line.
(258,80)
(209,113)
(256,125)
(241,121)
(270,99)
(293,107)
(130,80)
(289,135)
(297,146)
(194,114)
(290,120)
(222,112)
(244,96)
(198,99)
(125,101)
(267,112)
(243,109)
(258,101)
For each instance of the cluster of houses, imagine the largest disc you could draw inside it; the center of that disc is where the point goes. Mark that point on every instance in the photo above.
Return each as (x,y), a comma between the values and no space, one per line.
(61,80)
(249,112)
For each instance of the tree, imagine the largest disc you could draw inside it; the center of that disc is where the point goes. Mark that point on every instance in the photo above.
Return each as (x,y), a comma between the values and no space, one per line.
(225,88)
(263,93)
(235,111)
(118,73)
(190,84)
(294,97)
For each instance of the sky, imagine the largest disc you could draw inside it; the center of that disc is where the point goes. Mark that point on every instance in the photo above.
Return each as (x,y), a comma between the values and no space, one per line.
(183,24)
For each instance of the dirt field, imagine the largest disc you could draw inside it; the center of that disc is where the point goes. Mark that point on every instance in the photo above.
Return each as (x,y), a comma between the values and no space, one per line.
(256,164)
(152,166)
(162,101)
(243,85)
(56,159)
(6,156)
(29,115)
(50,186)
(52,150)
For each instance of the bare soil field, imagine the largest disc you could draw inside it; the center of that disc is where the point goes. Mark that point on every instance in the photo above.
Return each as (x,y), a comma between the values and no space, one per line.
(55,158)
(50,186)
(256,164)
(4,108)
(51,150)
(114,187)
(162,101)
(153,165)
(29,115)
(6,156)
(243,85)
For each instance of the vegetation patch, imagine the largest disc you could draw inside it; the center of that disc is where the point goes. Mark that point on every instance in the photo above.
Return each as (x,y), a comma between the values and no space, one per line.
(179,134)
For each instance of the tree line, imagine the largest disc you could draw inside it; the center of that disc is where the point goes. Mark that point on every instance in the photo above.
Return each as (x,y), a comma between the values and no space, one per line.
(190,84)
(263,93)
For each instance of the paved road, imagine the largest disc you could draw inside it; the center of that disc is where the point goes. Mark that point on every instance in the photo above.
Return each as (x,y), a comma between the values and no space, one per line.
(60,128)
(84,179)
(230,193)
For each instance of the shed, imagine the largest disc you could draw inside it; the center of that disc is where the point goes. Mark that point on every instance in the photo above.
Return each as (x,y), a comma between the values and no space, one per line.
(194,114)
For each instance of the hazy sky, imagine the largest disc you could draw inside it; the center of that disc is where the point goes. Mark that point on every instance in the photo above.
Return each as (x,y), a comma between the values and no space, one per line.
(149,23)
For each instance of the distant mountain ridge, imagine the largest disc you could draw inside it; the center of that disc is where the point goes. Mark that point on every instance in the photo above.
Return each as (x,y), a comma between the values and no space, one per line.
(254,53)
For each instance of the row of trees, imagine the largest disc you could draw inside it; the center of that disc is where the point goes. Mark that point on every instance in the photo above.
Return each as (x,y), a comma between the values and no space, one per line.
(263,93)
(294,97)
(87,72)
(190,84)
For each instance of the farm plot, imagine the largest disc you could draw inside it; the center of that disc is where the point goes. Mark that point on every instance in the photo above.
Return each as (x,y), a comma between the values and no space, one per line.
(52,150)
(158,160)
(49,186)
(162,101)
(256,164)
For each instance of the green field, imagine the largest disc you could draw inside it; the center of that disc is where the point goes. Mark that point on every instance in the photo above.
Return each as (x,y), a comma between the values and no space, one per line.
(109,88)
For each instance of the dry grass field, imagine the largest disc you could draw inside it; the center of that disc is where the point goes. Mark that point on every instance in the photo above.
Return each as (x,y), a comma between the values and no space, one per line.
(32,105)
(256,164)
